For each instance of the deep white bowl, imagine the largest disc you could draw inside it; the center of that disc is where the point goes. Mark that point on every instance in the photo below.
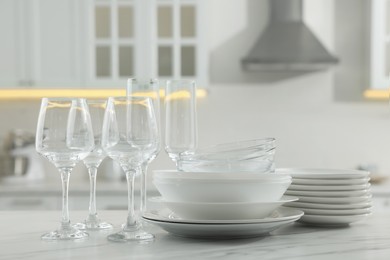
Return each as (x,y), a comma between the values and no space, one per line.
(223,211)
(221,190)
(215,176)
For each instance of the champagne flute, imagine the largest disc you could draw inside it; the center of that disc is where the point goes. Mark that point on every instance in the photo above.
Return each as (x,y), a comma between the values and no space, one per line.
(180,118)
(148,88)
(64,137)
(92,162)
(129,136)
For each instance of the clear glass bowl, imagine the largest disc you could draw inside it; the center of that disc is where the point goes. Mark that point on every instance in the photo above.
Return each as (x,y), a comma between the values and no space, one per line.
(251,165)
(235,150)
(249,156)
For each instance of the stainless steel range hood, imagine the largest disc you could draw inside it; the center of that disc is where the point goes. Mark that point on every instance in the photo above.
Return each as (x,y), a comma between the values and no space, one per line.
(287,44)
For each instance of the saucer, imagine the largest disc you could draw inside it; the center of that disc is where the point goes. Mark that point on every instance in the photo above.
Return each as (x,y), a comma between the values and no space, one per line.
(324,173)
(333,182)
(329,220)
(357,205)
(301,187)
(327,194)
(336,200)
(221,229)
(335,212)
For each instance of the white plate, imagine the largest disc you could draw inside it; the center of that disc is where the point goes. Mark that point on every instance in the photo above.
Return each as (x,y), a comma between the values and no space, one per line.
(166,215)
(331,220)
(337,212)
(335,200)
(240,229)
(310,187)
(223,211)
(323,173)
(351,193)
(332,182)
(357,205)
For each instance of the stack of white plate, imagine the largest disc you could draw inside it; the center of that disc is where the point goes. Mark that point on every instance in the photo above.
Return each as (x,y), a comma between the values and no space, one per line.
(330,197)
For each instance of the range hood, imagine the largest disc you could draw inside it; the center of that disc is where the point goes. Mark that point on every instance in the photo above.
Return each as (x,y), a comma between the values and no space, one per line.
(287,44)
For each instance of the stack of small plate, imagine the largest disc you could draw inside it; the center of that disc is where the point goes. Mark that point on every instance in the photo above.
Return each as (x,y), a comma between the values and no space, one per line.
(330,197)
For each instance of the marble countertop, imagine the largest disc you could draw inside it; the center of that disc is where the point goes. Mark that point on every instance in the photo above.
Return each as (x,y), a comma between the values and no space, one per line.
(21,230)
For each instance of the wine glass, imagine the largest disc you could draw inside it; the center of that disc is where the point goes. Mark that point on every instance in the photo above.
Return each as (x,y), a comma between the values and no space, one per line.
(180,118)
(64,137)
(92,162)
(129,137)
(148,88)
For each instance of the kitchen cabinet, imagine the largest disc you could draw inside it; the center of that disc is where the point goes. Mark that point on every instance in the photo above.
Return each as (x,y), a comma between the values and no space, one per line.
(380,44)
(110,195)
(381,204)
(41,43)
(52,201)
(158,38)
(68,44)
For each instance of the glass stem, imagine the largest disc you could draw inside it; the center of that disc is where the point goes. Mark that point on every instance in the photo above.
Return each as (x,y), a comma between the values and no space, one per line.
(144,170)
(65,174)
(131,223)
(92,195)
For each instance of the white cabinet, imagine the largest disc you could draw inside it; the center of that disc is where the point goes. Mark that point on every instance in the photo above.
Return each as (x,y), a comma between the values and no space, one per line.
(29,203)
(381,204)
(158,38)
(41,43)
(13,50)
(57,43)
(380,44)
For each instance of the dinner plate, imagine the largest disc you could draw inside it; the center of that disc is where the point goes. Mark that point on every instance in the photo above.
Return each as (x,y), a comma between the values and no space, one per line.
(240,229)
(357,205)
(323,173)
(223,211)
(334,182)
(300,187)
(167,215)
(331,220)
(335,200)
(352,193)
(335,212)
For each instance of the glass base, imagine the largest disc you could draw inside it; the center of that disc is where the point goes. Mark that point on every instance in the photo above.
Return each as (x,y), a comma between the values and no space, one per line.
(128,236)
(89,225)
(65,234)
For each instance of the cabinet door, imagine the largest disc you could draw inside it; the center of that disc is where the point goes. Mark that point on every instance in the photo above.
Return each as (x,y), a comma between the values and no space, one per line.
(10,44)
(41,43)
(59,59)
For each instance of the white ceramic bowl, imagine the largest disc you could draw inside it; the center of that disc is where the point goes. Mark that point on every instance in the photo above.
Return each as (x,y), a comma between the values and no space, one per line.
(215,176)
(221,190)
(223,211)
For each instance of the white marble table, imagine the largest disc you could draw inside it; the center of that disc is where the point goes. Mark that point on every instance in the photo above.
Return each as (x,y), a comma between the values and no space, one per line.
(20,239)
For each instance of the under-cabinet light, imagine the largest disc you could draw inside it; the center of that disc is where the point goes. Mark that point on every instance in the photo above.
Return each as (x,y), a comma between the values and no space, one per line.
(376,94)
(23,94)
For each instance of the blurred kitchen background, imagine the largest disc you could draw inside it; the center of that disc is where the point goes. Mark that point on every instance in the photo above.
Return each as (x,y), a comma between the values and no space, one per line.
(330,113)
